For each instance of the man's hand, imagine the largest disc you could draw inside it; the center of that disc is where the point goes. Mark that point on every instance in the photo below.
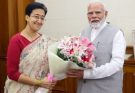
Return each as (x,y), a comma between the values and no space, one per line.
(75,73)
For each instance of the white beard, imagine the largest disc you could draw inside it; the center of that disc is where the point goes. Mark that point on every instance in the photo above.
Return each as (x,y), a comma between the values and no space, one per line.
(96,25)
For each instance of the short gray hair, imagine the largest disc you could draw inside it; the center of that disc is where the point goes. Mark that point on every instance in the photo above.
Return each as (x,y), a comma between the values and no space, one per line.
(98,1)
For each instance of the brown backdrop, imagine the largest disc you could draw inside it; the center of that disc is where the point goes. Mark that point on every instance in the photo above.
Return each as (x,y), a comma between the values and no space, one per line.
(11,22)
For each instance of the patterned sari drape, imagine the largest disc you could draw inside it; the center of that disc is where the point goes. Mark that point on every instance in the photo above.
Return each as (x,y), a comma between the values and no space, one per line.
(34,63)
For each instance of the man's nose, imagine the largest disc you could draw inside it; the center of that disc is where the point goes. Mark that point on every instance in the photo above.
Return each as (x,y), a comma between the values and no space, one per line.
(94,15)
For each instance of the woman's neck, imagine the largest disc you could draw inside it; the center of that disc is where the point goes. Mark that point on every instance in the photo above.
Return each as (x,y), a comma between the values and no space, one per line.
(29,34)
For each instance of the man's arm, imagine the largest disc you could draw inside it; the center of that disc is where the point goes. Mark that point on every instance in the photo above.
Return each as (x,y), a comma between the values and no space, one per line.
(116,63)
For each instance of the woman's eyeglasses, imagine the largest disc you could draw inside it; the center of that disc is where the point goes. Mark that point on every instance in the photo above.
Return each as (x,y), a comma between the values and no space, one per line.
(37,17)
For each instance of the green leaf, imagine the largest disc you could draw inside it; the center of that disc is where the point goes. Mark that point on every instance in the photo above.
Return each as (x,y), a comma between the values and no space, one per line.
(61,55)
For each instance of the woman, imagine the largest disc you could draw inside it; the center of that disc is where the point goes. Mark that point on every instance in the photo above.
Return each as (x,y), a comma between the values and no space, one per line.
(27,60)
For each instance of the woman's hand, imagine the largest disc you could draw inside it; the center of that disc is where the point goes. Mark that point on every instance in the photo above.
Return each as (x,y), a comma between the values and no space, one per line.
(47,83)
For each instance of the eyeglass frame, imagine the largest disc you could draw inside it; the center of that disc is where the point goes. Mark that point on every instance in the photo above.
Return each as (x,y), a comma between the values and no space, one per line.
(37,17)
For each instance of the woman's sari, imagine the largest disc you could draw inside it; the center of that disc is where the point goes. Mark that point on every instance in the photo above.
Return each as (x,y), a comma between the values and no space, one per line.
(34,63)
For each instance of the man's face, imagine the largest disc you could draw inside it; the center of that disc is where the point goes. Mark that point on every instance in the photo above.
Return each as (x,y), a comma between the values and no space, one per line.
(96,14)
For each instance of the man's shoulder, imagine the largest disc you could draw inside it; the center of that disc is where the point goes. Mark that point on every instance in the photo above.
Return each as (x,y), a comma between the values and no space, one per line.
(114,27)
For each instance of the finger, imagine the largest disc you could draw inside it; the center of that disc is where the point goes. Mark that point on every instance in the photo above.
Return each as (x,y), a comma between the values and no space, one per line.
(50,91)
(53,84)
(73,73)
(48,86)
(75,70)
(73,76)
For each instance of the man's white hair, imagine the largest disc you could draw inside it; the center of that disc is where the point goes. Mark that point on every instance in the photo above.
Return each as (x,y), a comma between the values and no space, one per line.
(98,1)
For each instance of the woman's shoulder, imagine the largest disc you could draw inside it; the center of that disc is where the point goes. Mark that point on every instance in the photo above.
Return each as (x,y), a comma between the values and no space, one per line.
(14,41)
(15,37)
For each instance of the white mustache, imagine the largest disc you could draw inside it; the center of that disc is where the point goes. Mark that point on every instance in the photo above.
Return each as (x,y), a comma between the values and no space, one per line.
(96,23)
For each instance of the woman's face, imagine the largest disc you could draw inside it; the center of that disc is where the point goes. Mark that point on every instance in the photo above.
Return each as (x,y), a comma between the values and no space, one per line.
(36,19)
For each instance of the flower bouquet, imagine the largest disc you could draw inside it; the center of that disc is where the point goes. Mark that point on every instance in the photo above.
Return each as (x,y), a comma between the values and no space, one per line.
(70,53)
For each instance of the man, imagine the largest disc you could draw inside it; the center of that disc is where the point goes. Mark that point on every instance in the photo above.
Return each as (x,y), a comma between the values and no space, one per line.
(107,76)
